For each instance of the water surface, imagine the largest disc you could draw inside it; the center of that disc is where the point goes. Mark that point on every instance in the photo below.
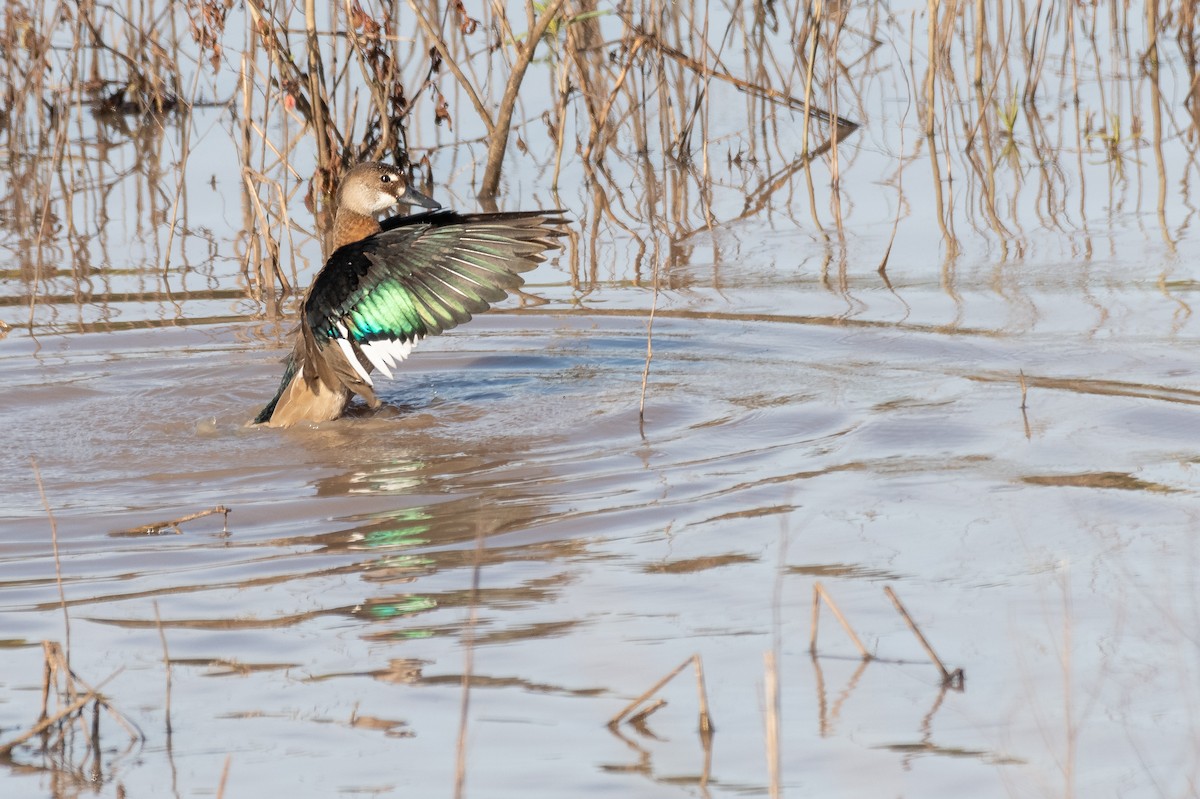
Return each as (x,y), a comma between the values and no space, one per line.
(1002,426)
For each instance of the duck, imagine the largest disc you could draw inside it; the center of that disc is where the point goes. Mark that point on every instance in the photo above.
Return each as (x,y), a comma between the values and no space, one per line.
(388,285)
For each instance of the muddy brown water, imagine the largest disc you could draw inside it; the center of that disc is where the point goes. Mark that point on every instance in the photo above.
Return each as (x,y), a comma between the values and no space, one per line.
(506,522)
(321,642)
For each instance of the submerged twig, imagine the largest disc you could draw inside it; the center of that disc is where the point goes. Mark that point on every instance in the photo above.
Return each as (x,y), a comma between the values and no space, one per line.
(157,528)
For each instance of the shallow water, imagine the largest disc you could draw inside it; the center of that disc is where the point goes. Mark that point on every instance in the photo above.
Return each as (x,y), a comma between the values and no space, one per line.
(1048,555)
(1002,429)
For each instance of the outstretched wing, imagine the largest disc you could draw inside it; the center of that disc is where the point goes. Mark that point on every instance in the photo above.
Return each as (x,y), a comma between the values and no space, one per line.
(420,276)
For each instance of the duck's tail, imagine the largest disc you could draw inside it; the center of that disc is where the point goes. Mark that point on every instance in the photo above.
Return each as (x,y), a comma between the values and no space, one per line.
(304,398)
(289,371)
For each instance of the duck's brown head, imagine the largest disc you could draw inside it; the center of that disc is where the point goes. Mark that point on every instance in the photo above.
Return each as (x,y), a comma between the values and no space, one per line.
(367,190)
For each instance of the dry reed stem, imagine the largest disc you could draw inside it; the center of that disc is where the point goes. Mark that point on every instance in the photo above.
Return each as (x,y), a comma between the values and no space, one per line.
(814,621)
(60,145)
(47,675)
(821,595)
(639,718)
(705,718)
(953,679)
(931,10)
(979,47)
(601,122)
(47,723)
(1024,408)
(440,45)
(224,777)
(771,699)
(265,225)
(135,733)
(754,89)
(813,29)
(285,223)
(649,351)
(706,727)
(835,170)
(315,108)
(1066,662)
(62,596)
(97,770)
(316,88)
(185,153)
(887,254)
(50,721)
(559,129)
(385,134)
(162,637)
(498,137)
(253,242)
(620,716)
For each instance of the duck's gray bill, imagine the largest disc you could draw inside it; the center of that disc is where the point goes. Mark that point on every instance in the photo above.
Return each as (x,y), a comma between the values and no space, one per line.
(414,197)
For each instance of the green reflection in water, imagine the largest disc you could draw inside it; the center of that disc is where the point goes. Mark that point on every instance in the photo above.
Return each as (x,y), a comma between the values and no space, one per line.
(405,606)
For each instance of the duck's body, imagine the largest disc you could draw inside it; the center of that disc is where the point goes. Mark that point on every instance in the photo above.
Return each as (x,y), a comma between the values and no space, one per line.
(388,286)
